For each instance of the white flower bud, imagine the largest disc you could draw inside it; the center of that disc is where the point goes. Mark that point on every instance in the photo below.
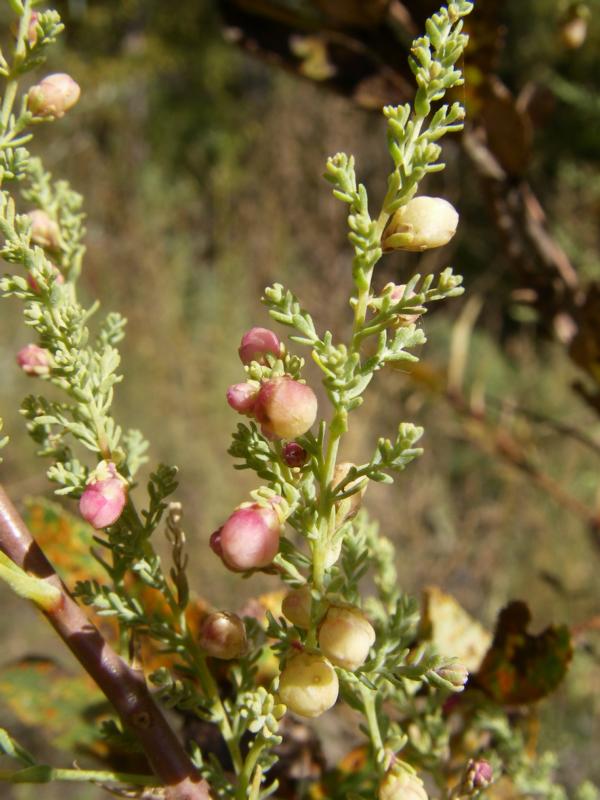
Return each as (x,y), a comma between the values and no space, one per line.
(345,637)
(401,785)
(423,223)
(308,685)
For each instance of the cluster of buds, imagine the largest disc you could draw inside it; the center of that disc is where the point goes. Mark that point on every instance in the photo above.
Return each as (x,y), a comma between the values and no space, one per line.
(34,360)
(52,96)
(223,635)
(249,539)
(308,683)
(284,408)
(423,223)
(104,497)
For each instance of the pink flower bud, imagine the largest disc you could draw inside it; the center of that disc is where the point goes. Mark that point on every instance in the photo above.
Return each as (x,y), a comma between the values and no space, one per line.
(242,397)
(223,635)
(34,360)
(215,543)
(44,231)
(345,637)
(294,455)
(104,498)
(249,539)
(52,96)
(308,685)
(257,343)
(285,408)
(32,34)
(479,774)
(296,607)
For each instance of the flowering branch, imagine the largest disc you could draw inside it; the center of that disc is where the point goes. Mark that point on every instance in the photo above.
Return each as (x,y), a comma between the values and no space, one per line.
(124,687)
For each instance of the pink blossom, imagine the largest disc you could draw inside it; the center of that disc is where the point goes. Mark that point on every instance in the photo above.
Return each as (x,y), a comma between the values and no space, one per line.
(104,498)
(34,360)
(257,343)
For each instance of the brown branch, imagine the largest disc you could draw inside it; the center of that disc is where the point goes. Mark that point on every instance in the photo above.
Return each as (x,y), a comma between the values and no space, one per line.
(124,687)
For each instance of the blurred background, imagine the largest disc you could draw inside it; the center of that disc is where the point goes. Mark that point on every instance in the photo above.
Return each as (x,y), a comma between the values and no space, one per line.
(199,145)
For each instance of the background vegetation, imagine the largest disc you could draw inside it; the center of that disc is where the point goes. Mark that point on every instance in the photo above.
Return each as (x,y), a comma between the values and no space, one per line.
(201,172)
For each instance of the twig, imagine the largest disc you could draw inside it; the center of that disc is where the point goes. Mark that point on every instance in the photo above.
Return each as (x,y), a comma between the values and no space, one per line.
(124,687)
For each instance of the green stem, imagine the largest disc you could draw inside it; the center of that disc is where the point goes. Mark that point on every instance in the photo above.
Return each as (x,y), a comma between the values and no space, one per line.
(368,698)
(43,774)
(12,84)
(247,772)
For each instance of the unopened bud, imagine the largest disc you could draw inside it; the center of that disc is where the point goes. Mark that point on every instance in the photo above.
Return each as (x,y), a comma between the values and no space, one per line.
(285,408)
(455,673)
(294,455)
(223,635)
(479,774)
(249,539)
(296,607)
(34,285)
(350,506)
(345,637)
(400,784)
(242,397)
(44,231)
(34,360)
(399,293)
(52,96)
(423,223)
(104,498)
(308,685)
(257,343)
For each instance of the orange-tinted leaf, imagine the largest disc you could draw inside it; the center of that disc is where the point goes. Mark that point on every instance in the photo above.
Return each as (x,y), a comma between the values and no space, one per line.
(65,539)
(67,709)
(521,667)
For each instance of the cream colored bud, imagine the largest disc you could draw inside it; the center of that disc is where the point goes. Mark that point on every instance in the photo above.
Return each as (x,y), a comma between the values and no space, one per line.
(44,231)
(308,685)
(223,635)
(401,785)
(52,96)
(296,607)
(345,637)
(350,506)
(423,223)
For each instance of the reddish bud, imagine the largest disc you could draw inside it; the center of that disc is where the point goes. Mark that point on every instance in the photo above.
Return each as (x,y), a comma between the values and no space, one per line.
(294,455)
(34,360)
(52,96)
(479,774)
(44,231)
(223,635)
(249,539)
(104,498)
(242,397)
(257,343)
(285,408)
(215,543)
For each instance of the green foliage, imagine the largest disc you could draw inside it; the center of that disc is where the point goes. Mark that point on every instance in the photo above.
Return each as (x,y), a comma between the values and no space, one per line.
(402,686)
